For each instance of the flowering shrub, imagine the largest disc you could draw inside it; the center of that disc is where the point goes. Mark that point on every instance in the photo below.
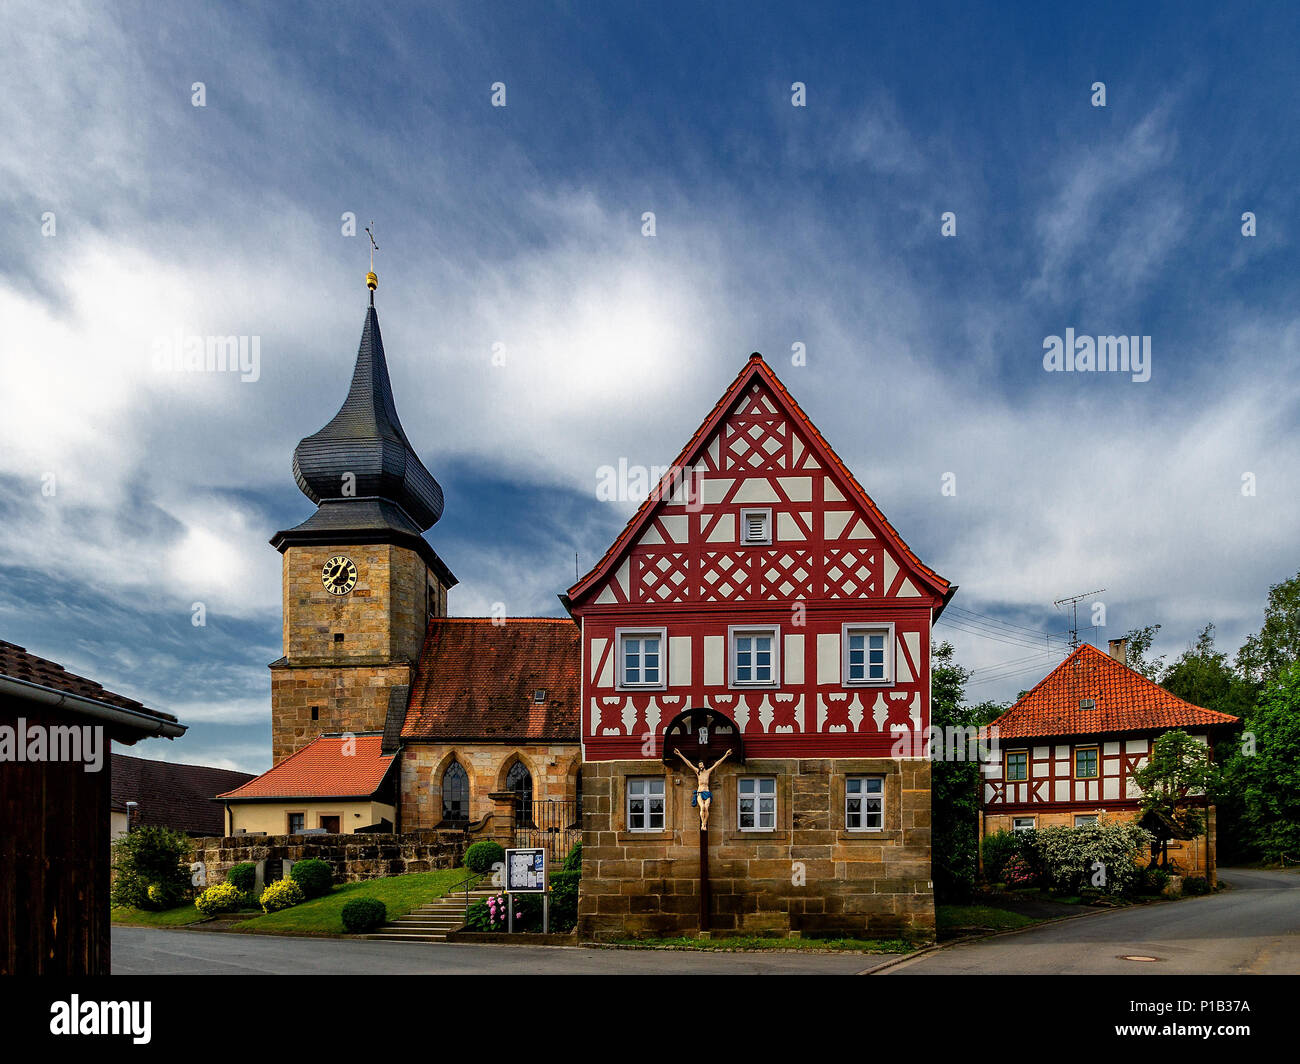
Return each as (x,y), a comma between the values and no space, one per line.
(1102,856)
(219,898)
(490,914)
(282,894)
(1018,873)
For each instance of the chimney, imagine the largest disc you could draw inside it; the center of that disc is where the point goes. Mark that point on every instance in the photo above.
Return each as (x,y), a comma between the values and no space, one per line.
(1119,650)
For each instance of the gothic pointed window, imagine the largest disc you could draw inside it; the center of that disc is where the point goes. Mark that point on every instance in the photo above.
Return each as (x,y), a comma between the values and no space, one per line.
(455,794)
(520,783)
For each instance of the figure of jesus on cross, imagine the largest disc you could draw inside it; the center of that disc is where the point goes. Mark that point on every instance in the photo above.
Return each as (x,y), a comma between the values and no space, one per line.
(702,797)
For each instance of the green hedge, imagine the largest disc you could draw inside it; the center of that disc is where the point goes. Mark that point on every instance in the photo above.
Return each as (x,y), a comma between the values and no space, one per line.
(364,914)
(314,876)
(243,876)
(483,855)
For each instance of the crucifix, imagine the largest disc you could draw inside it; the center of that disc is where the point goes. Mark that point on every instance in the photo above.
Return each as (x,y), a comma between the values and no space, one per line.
(703,798)
(372,281)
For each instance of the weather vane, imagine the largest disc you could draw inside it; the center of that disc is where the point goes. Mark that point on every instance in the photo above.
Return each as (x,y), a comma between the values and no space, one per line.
(372,281)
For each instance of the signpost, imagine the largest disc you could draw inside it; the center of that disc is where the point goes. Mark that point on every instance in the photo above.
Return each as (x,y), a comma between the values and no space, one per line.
(526,873)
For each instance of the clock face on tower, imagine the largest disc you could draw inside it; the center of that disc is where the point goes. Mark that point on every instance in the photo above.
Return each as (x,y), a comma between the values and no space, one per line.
(339,575)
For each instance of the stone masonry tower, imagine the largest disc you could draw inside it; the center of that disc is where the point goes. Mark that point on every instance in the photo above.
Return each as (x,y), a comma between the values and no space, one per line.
(360,580)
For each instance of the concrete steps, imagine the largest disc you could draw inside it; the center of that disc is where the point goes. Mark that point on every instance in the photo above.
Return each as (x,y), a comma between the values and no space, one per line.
(430,922)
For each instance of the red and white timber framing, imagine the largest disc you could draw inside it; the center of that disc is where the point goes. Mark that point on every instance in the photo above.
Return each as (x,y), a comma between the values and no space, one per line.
(833,560)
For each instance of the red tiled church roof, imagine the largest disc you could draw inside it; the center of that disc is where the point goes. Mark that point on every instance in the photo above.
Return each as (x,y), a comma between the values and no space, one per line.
(478,680)
(325,768)
(169,795)
(1123,701)
(755,367)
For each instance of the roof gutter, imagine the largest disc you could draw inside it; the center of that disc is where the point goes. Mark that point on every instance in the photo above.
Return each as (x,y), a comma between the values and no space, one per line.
(130,718)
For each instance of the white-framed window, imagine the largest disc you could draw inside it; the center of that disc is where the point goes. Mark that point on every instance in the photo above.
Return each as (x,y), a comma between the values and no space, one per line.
(642,658)
(755,527)
(864,803)
(1023,823)
(1084,819)
(868,652)
(755,657)
(756,799)
(645,803)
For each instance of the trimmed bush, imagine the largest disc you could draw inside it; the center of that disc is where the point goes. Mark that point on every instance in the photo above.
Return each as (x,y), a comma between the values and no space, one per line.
(1196,885)
(243,876)
(314,876)
(150,857)
(220,898)
(282,894)
(364,914)
(483,855)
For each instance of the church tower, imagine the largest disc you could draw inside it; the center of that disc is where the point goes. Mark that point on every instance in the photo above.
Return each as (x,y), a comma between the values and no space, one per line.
(360,581)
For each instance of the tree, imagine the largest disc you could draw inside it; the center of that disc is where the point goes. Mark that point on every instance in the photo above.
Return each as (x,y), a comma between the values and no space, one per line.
(1267,767)
(1176,777)
(148,871)
(1276,646)
(1138,643)
(955,784)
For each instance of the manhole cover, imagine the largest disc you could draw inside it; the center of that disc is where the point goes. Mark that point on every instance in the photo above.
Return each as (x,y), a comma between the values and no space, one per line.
(1137,957)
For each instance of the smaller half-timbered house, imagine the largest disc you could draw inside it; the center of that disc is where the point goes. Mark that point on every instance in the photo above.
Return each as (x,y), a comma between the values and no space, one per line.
(1067,750)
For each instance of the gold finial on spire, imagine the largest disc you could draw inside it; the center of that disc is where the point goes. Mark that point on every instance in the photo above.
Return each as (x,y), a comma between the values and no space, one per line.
(372,280)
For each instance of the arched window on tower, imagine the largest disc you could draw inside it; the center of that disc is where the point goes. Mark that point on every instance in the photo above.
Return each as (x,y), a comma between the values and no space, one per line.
(455,794)
(520,782)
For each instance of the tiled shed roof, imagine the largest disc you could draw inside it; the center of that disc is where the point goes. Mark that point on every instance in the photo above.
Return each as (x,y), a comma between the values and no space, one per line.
(326,768)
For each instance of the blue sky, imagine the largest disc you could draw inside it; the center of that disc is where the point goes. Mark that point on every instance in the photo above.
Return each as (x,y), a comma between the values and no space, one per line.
(522,226)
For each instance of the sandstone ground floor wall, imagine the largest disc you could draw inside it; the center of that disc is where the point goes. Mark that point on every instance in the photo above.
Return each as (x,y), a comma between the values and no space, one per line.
(553,768)
(810,874)
(1194,857)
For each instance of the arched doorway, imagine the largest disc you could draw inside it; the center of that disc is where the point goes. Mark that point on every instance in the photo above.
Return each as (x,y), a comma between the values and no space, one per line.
(455,794)
(519,781)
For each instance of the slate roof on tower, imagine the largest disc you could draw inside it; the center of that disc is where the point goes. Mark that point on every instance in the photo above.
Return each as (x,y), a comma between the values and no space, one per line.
(1122,701)
(479,680)
(361,470)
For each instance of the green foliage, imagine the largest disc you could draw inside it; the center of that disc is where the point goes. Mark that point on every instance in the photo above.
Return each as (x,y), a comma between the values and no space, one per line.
(564,900)
(150,857)
(363,914)
(1267,768)
(1154,880)
(490,914)
(1068,856)
(314,877)
(282,894)
(220,898)
(1196,885)
(1139,642)
(1177,771)
(999,848)
(955,785)
(243,876)
(481,856)
(1265,656)
(573,861)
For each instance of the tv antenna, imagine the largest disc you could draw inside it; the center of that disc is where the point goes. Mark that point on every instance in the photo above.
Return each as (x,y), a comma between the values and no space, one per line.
(1073,602)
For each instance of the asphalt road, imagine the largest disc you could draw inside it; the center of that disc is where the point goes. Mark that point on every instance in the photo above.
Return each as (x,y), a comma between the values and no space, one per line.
(1251,929)
(151,951)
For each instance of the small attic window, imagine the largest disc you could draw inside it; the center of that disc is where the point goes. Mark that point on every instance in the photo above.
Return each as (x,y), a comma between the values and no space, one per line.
(1087,703)
(756,526)
(539,695)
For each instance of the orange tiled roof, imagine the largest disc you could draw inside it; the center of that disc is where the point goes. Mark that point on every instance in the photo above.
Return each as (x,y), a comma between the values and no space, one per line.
(477,680)
(1123,701)
(322,769)
(756,367)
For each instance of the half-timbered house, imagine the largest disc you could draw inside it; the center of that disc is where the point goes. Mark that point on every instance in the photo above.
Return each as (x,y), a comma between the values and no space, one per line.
(757,604)
(1066,751)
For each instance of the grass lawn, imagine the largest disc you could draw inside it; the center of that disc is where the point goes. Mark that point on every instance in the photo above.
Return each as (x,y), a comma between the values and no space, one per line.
(748,942)
(951,918)
(178,917)
(321,916)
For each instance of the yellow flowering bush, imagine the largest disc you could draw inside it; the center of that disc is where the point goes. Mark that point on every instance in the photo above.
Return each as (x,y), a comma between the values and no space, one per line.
(282,894)
(221,898)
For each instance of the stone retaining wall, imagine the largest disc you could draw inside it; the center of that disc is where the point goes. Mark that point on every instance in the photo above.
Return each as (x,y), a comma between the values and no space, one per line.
(353,857)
